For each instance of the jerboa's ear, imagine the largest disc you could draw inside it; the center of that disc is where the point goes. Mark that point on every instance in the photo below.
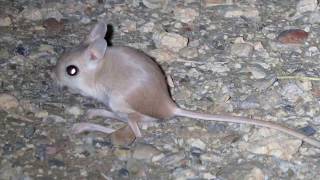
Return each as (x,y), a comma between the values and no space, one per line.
(98,32)
(96,50)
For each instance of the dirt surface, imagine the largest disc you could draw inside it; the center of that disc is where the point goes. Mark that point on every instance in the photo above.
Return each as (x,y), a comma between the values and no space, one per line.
(248,58)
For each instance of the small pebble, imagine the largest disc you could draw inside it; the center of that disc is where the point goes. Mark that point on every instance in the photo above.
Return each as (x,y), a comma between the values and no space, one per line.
(41,114)
(158,157)
(247,170)
(210,3)
(208,176)
(291,91)
(54,119)
(270,142)
(248,12)
(5,21)
(8,102)
(85,20)
(12,172)
(135,167)
(250,102)
(53,26)
(257,72)
(7,149)
(196,152)
(216,128)
(242,49)
(29,131)
(172,159)
(84,172)
(314,18)
(41,152)
(155,4)
(293,36)
(19,144)
(184,174)
(219,43)
(101,143)
(148,27)
(163,55)
(216,67)
(308,131)
(189,52)
(128,26)
(75,111)
(122,154)
(185,15)
(4,53)
(123,173)
(306,5)
(145,152)
(51,12)
(22,50)
(85,153)
(55,162)
(31,13)
(170,41)
(197,143)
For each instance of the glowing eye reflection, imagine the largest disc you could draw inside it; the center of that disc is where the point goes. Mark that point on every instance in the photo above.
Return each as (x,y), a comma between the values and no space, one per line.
(72,70)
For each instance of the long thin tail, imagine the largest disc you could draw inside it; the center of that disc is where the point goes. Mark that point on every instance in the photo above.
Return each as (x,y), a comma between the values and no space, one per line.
(234,119)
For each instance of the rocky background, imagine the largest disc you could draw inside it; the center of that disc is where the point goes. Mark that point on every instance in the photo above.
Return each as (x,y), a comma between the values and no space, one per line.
(252,58)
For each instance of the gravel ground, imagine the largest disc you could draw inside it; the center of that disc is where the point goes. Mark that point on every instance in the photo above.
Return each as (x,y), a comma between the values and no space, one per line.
(248,58)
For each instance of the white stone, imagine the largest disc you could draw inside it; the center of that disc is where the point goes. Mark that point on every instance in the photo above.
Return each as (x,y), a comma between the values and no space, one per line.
(189,52)
(273,143)
(85,20)
(155,4)
(55,119)
(83,172)
(74,110)
(8,102)
(41,114)
(257,72)
(218,67)
(128,26)
(46,48)
(255,174)
(314,17)
(292,92)
(242,49)
(210,3)
(183,174)
(170,41)
(32,14)
(307,151)
(239,40)
(306,5)
(185,15)
(247,12)
(163,55)
(148,27)
(5,21)
(197,143)
(208,175)
(51,13)
(305,85)
(157,157)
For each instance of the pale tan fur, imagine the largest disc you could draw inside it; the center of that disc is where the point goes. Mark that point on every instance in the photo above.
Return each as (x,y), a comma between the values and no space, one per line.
(133,85)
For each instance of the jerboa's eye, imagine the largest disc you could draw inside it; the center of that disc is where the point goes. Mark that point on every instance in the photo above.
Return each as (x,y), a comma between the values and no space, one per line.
(72,70)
